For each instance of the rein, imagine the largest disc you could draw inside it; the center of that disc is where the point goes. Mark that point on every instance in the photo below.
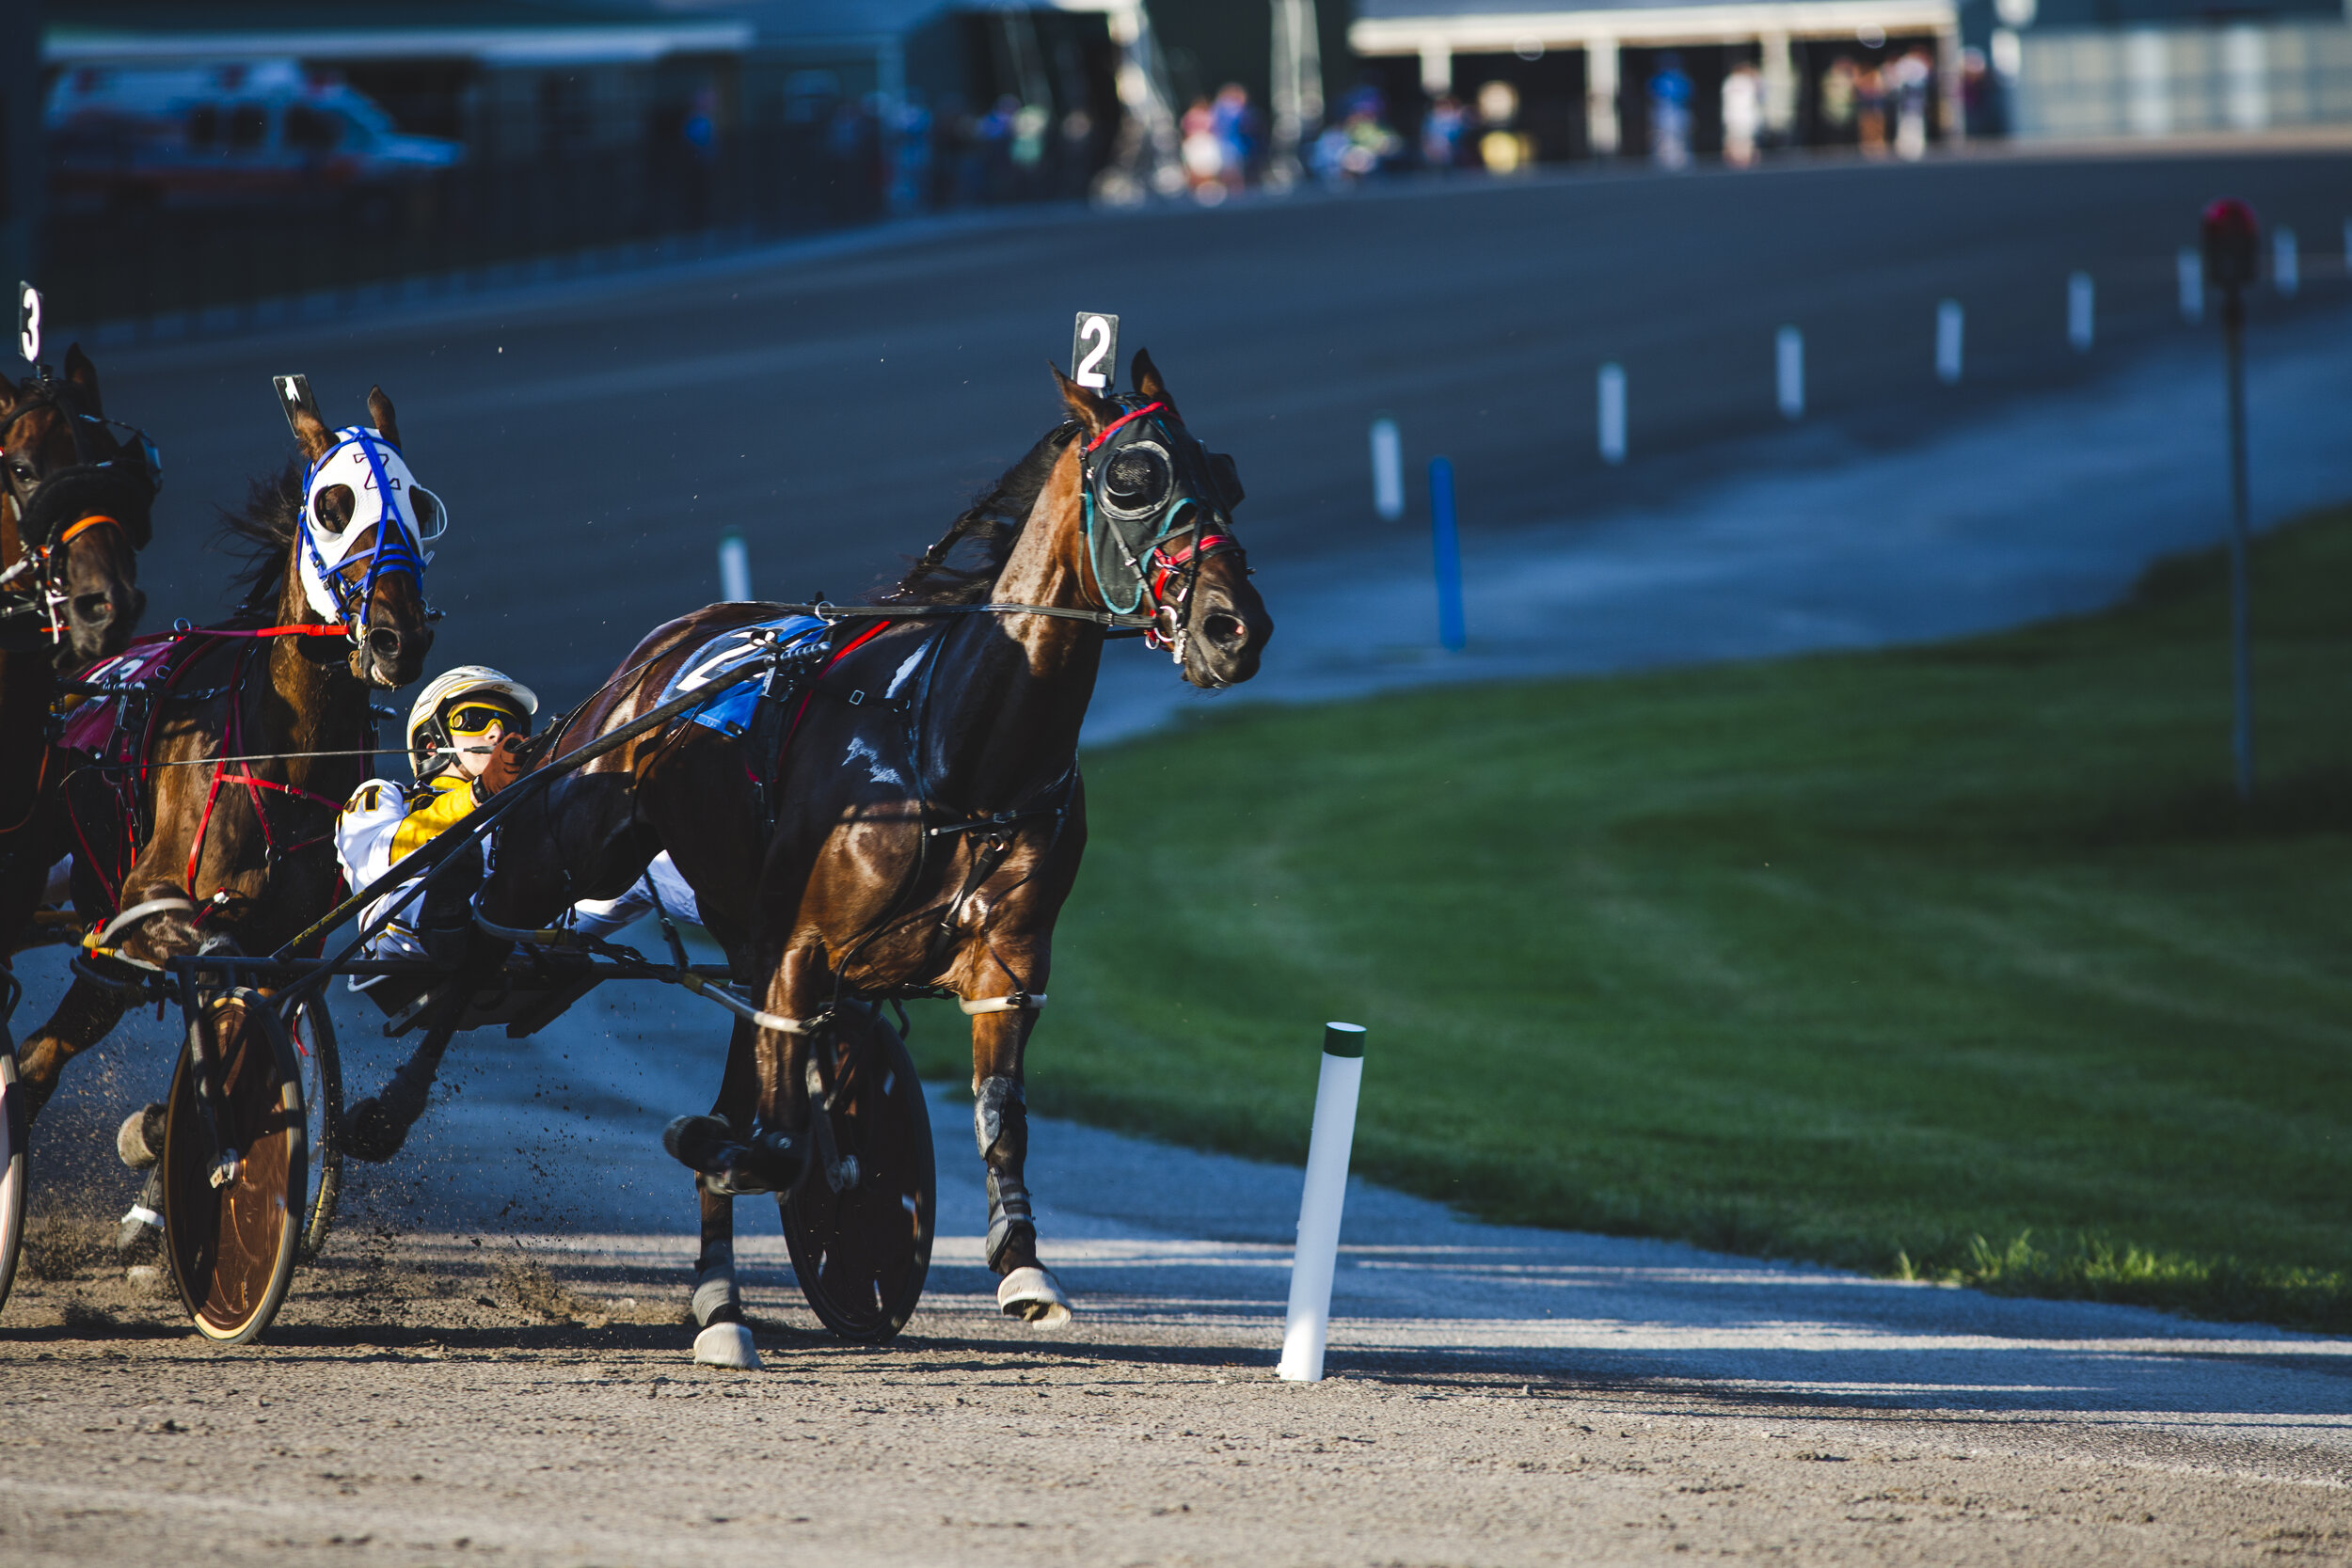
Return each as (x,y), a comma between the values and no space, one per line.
(132,769)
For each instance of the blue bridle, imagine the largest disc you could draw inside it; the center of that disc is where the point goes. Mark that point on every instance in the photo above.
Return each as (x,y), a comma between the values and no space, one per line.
(393,549)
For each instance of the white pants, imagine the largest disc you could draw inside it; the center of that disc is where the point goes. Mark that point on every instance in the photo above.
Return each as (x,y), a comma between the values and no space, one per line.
(601,917)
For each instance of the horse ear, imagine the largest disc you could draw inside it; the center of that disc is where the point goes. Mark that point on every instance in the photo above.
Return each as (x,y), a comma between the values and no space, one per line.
(79,371)
(1090,410)
(311,434)
(1149,385)
(380,410)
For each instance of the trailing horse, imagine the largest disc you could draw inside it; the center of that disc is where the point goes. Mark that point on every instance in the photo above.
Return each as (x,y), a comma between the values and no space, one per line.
(207,775)
(905,822)
(77,493)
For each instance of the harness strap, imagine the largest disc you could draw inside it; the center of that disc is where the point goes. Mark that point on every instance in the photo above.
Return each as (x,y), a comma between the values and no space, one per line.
(1111,428)
(105,935)
(801,712)
(90,522)
(1019,1001)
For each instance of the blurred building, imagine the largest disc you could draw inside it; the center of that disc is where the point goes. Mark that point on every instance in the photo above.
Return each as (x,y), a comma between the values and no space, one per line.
(511,79)
(1579,79)
(1571,79)
(2151,68)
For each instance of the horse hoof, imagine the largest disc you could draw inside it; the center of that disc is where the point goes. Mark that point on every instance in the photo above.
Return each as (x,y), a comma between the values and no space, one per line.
(726,1345)
(1032,1295)
(698,1143)
(369,1132)
(140,1138)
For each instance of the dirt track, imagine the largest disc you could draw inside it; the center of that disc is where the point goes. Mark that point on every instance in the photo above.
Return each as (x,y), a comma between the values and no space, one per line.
(429,1402)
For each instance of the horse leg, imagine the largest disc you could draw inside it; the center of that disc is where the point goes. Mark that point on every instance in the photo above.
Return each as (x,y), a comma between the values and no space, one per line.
(725,1338)
(375,1127)
(768,1155)
(1000,1124)
(89,1013)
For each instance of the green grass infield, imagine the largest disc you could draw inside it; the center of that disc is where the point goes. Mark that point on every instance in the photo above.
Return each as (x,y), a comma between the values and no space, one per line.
(1959,961)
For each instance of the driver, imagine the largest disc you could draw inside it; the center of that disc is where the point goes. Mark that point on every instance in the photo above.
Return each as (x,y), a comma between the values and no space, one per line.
(465,730)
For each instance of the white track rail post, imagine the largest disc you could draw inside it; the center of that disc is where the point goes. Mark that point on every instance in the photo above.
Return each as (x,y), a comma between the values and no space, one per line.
(1319,1204)
(1788,371)
(1950,322)
(2081,322)
(1388,471)
(734,569)
(1609,388)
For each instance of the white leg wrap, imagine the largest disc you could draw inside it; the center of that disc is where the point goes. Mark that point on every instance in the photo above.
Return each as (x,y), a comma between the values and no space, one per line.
(712,1292)
(1034,1296)
(726,1345)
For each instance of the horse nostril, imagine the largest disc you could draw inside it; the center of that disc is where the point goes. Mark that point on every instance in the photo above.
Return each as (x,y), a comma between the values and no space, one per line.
(384,642)
(1224,631)
(94,610)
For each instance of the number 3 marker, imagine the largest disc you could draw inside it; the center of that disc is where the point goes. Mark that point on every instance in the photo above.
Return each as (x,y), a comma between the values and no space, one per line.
(28,323)
(1093,368)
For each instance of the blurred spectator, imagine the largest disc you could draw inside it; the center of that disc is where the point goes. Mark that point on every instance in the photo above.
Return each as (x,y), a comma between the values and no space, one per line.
(1500,147)
(1908,79)
(853,161)
(1202,153)
(1869,94)
(1978,96)
(996,133)
(1442,133)
(1670,113)
(1235,124)
(1743,114)
(701,128)
(910,162)
(1358,144)
(1838,98)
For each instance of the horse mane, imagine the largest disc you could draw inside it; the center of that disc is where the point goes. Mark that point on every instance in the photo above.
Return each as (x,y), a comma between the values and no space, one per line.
(262,532)
(992,524)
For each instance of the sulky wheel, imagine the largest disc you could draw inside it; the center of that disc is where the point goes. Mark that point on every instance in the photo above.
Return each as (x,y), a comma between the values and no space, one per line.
(322,1109)
(12,1174)
(233,1247)
(861,1253)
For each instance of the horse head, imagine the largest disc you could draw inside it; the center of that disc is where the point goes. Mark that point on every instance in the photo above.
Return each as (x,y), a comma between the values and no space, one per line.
(1157,524)
(357,554)
(80,488)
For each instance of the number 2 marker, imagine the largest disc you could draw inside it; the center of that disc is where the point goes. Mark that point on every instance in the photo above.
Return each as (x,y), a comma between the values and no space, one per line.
(1093,368)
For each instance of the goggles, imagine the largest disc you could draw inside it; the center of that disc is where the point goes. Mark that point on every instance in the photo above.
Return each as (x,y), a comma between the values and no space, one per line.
(477,717)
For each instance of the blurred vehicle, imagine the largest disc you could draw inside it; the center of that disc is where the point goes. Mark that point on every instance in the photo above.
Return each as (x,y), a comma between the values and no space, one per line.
(256,133)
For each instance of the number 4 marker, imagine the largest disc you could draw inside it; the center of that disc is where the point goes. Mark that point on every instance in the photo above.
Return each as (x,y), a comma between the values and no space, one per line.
(1094,351)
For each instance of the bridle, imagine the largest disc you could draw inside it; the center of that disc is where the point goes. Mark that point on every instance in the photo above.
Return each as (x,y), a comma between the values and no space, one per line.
(1142,487)
(113,489)
(391,541)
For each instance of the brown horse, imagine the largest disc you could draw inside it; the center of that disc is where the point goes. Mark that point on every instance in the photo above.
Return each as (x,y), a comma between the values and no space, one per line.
(926,820)
(76,497)
(206,818)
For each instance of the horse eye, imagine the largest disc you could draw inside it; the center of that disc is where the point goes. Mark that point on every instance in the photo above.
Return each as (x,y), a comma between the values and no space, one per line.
(1137,477)
(332,510)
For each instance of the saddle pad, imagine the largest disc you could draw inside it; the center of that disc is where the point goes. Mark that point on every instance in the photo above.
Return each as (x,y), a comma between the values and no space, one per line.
(730,711)
(89,724)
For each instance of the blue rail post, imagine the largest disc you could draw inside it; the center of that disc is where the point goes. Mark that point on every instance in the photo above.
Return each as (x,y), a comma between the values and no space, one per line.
(1445,543)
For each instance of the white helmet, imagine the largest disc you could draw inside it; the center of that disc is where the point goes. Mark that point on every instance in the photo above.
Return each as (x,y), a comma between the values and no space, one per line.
(427,739)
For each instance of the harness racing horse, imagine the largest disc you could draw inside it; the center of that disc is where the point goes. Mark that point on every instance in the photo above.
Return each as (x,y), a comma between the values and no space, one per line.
(202,805)
(921,827)
(77,494)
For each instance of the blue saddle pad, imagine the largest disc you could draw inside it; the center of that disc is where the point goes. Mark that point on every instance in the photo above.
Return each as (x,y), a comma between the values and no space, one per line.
(730,711)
